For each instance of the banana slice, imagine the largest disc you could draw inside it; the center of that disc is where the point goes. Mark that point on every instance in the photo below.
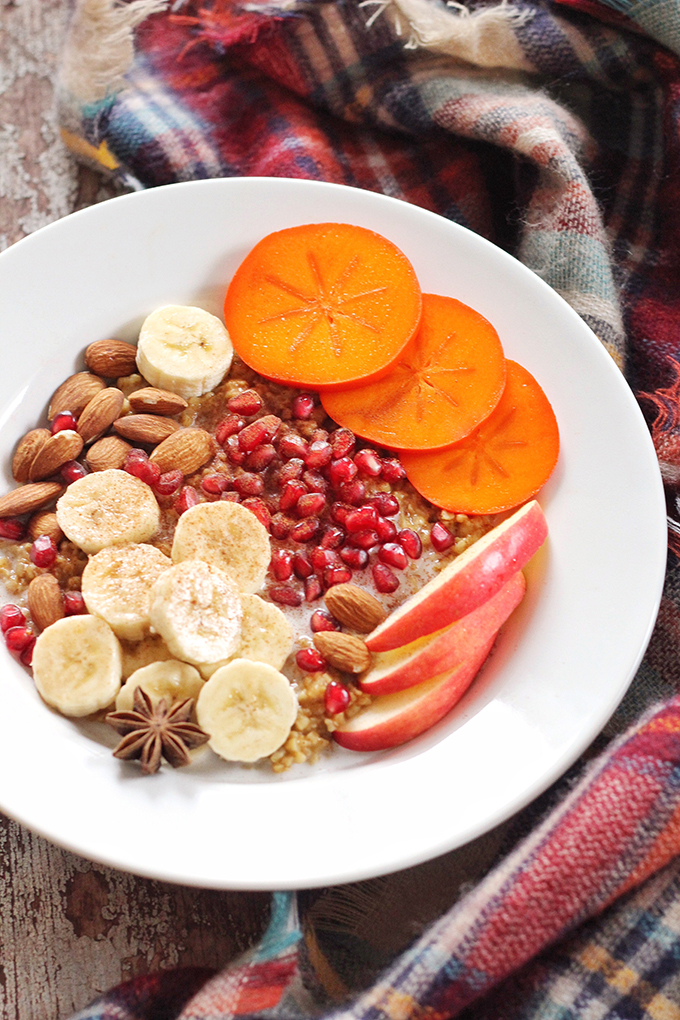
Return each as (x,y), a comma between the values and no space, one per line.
(183,349)
(196,608)
(227,535)
(116,584)
(108,508)
(77,665)
(266,636)
(137,654)
(248,709)
(171,680)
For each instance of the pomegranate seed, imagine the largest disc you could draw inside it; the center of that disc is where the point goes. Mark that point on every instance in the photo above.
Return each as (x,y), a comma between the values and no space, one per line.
(310,660)
(313,589)
(306,530)
(441,537)
(17,638)
(215,485)
(341,470)
(280,526)
(368,463)
(137,463)
(302,565)
(392,471)
(364,539)
(355,558)
(187,498)
(74,603)
(383,578)
(342,441)
(71,471)
(11,616)
(26,657)
(387,530)
(43,551)
(292,471)
(261,457)
(62,421)
(290,494)
(318,436)
(321,620)
(339,512)
(315,482)
(353,492)
(248,484)
(385,503)
(336,575)
(332,538)
(231,497)
(303,406)
(411,543)
(366,517)
(322,558)
(229,426)
(336,697)
(12,528)
(261,431)
(234,452)
(292,445)
(285,595)
(281,564)
(393,554)
(169,482)
(311,504)
(260,509)
(249,402)
(318,455)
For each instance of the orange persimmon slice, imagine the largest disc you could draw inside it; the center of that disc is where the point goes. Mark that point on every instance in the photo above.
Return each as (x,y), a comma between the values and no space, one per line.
(322,304)
(447,380)
(500,465)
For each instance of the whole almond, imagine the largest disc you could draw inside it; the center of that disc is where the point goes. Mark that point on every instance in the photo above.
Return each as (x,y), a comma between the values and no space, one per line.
(27,451)
(75,394)
(344,651)
(62,446)
(354,607)
(154,401)
(100,413)
(145,428)
(109,452)
(45,600)
(185,450)
(111,358)
(28,498)
(45,523)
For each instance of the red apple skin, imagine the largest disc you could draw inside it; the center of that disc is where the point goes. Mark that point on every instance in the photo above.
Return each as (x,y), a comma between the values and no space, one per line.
(445,650)
(467,582)
(394,719)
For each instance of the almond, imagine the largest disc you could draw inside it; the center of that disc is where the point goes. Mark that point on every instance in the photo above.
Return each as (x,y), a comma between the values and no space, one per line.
(59,448)
(109,452)
(100,413)
(145,428)
(111,358)
(185,450)
(28,498)
(45,600)
(75,394)
(45,523)
(354,607)
(344,651)
(27,451)
(155,401)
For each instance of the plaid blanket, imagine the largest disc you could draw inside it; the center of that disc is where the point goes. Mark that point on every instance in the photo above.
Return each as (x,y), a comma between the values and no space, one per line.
(551,128)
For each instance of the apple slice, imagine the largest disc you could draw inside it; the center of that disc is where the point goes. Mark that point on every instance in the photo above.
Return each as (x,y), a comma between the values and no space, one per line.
(436,654)
(392,719)
(467,582)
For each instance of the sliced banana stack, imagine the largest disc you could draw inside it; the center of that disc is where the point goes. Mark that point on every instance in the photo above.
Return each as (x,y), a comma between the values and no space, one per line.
(196,608)
(248,709)
(266,636)
(171,680)
(77,665)
(227,535)
(183,349)
(108,508)
(116,586)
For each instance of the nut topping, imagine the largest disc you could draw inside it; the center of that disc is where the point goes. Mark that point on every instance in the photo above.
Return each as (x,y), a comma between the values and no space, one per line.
(28,498)
(185,450)
(27,451)
(45,523)
(111,358)
(154,401)
(100,413)
(344,651)
(45,601)
(106,453)
(354,607)
(145,428)
(59,448)
(75,394)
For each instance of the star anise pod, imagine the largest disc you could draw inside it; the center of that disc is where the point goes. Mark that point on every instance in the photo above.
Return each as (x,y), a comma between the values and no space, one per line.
(151,732)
